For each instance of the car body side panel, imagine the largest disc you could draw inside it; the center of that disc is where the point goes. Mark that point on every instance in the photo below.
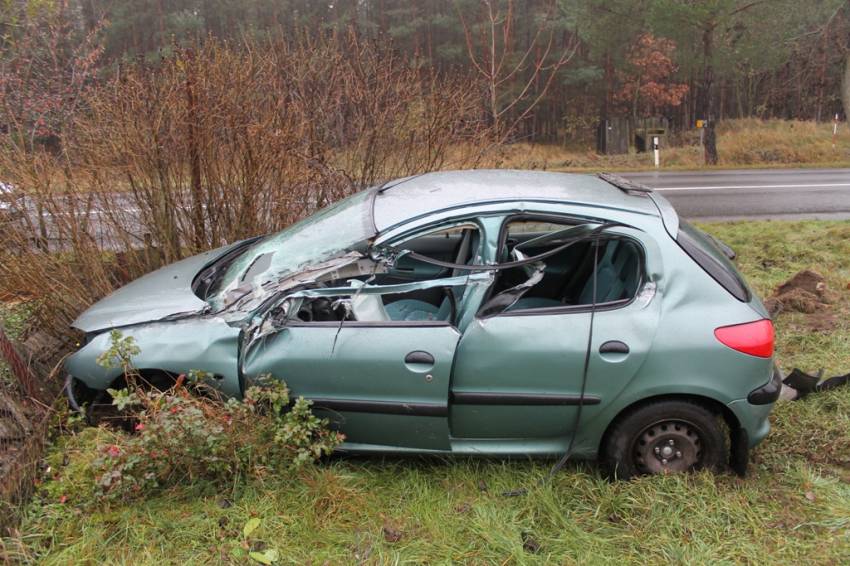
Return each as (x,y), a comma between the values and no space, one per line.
(686,358)
(753,418)
(543,354)
(358,376)
(198,343)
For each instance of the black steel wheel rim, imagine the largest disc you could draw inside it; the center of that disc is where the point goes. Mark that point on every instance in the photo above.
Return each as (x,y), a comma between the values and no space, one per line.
(668,446)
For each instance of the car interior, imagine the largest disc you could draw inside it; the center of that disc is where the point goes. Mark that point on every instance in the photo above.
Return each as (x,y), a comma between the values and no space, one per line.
(568,275)
(458,244)
(567,278)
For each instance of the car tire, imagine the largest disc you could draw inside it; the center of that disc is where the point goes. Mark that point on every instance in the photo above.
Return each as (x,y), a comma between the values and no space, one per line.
(669,436)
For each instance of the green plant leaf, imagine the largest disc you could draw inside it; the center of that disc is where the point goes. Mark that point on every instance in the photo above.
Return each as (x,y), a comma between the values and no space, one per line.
(250,527)
(270,556)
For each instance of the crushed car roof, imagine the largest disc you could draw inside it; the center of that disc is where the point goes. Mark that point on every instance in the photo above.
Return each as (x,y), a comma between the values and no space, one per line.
(412,197)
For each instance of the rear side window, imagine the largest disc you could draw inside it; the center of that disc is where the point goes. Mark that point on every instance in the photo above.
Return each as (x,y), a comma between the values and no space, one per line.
(702,250)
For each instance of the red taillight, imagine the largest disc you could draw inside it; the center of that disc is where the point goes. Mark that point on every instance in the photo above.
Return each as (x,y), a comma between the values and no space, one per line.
(753,338)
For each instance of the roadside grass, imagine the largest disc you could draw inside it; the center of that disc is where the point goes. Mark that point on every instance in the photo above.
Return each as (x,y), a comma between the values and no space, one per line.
(794,505)
(742,144)
(747,143)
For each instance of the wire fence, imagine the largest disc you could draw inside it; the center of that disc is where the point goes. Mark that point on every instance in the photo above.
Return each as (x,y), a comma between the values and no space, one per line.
(28,390)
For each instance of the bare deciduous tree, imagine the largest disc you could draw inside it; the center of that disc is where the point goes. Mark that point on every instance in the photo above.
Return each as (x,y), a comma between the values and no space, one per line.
(165,160)
(490,46)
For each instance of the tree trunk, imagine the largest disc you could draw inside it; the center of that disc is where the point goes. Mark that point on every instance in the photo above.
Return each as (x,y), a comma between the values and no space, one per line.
(708,96)
(90,14)
(607,100)
(845,90)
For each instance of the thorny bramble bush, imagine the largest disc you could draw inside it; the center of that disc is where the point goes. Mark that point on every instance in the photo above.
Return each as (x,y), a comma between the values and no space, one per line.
(188,433)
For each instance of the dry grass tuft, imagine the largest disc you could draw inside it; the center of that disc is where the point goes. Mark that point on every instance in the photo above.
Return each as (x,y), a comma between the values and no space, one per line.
(741,143)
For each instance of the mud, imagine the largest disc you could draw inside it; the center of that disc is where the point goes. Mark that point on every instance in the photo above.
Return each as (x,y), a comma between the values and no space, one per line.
(806,292)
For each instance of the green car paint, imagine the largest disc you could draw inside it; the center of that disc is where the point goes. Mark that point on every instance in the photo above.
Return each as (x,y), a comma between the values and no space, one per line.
(207,344)
(507,384)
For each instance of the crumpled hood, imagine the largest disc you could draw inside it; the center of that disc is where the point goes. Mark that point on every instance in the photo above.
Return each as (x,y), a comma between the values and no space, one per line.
(159,294)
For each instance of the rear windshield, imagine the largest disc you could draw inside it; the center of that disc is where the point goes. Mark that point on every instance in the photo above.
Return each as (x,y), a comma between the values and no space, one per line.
(705,252)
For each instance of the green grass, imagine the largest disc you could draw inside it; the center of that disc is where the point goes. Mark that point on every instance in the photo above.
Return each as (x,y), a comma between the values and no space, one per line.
(793,507)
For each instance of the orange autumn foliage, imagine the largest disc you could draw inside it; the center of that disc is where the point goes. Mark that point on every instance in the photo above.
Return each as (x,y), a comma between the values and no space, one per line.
(648,87)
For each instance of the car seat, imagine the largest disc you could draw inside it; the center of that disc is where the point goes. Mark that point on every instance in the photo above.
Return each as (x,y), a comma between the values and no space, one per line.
(415,309)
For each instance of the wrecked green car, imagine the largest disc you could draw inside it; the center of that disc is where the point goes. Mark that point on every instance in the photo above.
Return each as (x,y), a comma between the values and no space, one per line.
(474,312)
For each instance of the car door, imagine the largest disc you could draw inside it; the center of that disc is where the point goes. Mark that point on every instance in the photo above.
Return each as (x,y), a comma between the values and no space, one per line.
(384,384)
(519,374)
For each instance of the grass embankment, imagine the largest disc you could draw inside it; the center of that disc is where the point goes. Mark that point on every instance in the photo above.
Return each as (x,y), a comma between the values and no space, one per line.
(747,143)
(794,506)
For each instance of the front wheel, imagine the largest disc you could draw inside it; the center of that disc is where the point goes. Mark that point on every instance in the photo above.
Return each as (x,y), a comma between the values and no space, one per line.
(664,437)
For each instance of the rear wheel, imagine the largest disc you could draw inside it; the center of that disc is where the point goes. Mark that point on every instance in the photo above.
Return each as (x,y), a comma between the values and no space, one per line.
(664,437)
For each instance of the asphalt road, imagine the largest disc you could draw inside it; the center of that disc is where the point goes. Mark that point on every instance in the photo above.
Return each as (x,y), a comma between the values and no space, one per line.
(781,194)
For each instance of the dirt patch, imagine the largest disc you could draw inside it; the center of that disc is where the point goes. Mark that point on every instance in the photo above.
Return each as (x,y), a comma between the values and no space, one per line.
(795,299)
(810,281)
(806,292)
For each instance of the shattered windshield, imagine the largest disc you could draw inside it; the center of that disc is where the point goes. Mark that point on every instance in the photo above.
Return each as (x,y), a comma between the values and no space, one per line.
(342,226)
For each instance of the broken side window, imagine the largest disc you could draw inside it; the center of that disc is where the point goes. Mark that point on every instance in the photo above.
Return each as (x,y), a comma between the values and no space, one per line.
(361,301)
(458,244)
(566,279)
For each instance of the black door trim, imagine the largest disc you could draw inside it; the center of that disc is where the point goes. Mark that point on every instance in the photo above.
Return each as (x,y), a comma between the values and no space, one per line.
(382,407)
(491,398)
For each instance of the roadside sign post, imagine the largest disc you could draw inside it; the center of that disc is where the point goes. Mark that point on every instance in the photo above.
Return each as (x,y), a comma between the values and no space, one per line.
(655,151)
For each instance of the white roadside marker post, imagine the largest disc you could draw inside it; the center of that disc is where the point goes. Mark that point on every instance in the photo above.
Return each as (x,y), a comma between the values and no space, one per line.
(834,130)
(655,151)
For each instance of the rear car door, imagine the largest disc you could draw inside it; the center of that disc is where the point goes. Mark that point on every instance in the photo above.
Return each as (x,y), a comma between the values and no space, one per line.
(518,374)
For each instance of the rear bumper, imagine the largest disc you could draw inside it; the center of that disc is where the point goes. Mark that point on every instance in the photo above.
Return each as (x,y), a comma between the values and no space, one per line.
(753,412)
(767,394)
(754,419)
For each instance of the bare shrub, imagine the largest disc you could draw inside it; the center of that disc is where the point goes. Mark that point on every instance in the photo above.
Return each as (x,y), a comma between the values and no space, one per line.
(214,145)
